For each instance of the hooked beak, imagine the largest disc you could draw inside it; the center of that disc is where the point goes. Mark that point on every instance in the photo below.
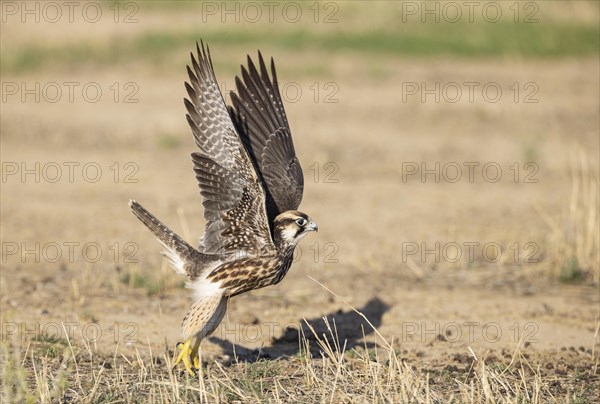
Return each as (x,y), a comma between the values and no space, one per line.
(312,226)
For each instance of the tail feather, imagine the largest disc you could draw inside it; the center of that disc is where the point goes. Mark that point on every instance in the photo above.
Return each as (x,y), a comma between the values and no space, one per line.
(204,316)
(184,258)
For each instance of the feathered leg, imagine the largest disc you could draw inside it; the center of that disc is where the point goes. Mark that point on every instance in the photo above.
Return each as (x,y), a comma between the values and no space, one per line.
(203,318)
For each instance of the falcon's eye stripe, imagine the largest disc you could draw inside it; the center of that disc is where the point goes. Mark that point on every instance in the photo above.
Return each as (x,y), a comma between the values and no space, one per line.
(301,221)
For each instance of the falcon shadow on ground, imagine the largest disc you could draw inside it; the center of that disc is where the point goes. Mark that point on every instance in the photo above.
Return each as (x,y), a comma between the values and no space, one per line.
(348,326)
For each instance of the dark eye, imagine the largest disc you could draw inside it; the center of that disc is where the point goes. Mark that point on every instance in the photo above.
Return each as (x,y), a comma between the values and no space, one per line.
(301,221)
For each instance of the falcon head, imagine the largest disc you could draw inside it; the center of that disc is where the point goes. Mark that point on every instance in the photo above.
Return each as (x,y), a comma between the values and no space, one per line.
(291,226)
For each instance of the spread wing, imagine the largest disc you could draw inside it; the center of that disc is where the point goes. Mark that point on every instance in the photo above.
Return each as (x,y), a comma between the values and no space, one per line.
(261,122)
(233,198)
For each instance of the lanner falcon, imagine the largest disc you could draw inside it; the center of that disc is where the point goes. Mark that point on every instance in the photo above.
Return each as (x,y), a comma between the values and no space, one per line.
(251,185)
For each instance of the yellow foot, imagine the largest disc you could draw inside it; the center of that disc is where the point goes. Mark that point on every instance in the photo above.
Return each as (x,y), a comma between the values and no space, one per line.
(185,356)
(195,354)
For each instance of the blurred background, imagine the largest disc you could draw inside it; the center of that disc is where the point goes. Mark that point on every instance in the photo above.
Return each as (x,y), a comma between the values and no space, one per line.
(450,153)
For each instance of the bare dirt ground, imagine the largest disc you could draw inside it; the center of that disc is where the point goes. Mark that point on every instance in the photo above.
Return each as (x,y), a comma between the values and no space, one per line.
(458,279)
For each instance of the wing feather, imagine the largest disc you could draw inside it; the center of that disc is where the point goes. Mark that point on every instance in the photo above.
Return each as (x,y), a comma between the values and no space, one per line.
(259,117)
(233,197)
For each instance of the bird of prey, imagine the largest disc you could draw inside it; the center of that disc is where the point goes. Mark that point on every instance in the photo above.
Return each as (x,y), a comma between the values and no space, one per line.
(251,184)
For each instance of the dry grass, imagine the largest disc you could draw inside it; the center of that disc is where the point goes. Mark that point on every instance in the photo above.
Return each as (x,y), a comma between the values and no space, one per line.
(51,371)
(574,241)
(48,369)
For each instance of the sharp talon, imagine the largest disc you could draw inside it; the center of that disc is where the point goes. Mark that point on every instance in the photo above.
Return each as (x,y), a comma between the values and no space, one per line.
(188,365)
(184,356)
